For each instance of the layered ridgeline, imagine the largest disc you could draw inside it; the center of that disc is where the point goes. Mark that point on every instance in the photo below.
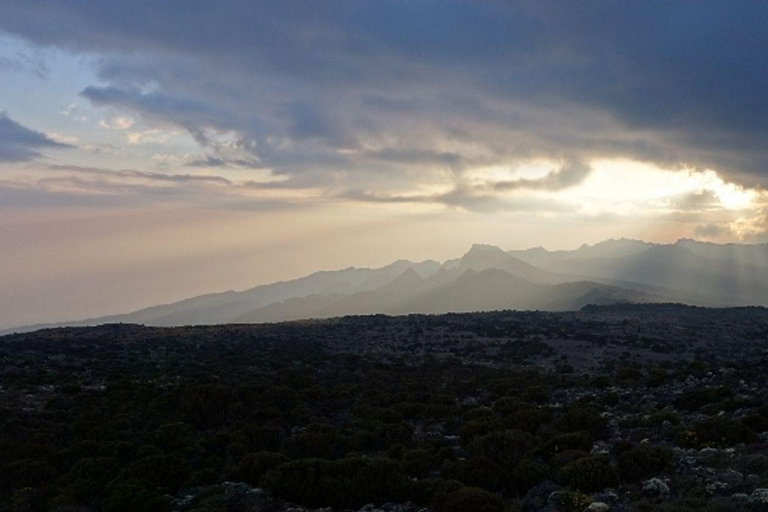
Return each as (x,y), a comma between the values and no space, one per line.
(488,278)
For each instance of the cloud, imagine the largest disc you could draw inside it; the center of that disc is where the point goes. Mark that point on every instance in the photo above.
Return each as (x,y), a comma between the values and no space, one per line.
(465,197)
(710,230)
(401,92)
(20,144)
(570,174)
(153,136)
(72,186)
(15,58)
(696,201)
(483,197)
(117,123)
(150,176)
(79,186)
(71,111)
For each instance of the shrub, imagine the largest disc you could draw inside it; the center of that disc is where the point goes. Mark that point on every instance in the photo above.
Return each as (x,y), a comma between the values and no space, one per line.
(255,465)
(657,419)
(423,492)
(590,474)
(723,432)
(657,376)
(166,471)
(350,482)
(528,474)
(528,420)
(468,498)
(134,495)
(698,398)
(586,418)
(90,475)
(572,501)
(756,464)
(601,382)
(503,448)
(480,427)
(417,463)
(565,457)
(536,394)
(25,473)
(475,472)
(574,441)
(643,461)
(756,422)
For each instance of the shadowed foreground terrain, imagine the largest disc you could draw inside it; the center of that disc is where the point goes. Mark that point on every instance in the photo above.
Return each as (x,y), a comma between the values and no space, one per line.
(654,407)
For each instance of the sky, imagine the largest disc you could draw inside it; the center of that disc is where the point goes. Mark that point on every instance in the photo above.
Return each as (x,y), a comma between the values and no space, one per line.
(150,151)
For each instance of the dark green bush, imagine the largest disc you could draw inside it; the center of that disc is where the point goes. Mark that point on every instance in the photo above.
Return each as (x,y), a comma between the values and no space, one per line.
(698,398)
(476,472)
(134,495)
(565,457)
(572,501)
(657,419)
(25,473)
(417,463)
(350,482)
(166,471)
(723,432)
(756,422)
(503,448)
(643,462)
(584,418)
(255,465)
(560,443)
(468,499)
(590,474)
(90,475)
(528,474)
(480,427)
(423,492)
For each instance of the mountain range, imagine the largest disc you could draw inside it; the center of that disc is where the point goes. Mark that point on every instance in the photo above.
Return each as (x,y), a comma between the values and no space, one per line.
(489,278)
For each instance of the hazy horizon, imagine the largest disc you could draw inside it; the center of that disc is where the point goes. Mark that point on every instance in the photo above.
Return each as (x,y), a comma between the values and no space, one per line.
(150,153)
(738,258)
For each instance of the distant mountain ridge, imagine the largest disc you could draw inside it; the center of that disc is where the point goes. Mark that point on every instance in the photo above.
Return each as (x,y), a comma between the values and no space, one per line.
(689,271)
(489,278)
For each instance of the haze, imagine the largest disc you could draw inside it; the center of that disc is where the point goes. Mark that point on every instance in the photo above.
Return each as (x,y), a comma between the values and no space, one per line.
(151,152)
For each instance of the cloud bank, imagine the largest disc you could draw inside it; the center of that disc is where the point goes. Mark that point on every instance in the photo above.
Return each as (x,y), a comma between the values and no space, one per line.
(376,94)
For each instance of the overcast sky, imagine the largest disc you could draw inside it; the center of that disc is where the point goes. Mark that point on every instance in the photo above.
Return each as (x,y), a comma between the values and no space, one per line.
(150,151)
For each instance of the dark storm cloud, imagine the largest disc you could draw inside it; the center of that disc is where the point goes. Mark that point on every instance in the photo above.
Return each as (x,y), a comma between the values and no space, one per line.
(374,87)
(20,144)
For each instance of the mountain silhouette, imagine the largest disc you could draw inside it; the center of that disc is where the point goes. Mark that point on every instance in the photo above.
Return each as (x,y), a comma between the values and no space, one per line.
(489,278)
